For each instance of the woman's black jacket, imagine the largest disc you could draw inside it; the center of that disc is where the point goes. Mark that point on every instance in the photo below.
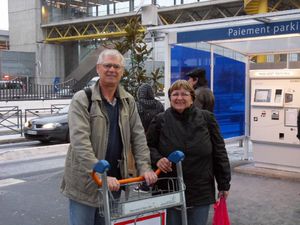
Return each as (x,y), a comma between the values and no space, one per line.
(197,134)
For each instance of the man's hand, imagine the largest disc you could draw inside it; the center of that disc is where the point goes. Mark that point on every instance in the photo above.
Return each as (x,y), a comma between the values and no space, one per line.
(150,177)
(164,165)
(113,184)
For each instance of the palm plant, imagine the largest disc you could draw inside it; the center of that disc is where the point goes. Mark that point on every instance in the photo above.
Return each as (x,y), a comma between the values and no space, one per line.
(133,44)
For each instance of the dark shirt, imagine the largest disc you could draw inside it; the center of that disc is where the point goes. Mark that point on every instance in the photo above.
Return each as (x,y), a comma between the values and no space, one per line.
(114,145)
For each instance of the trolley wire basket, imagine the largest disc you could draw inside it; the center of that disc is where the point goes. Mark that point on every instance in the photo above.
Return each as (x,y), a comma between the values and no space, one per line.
(133,202)
(128,203)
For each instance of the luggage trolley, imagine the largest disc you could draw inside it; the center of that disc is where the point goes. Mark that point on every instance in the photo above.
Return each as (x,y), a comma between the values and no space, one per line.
(136,204)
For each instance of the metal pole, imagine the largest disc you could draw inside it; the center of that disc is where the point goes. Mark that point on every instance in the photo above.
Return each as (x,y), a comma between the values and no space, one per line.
(131,5)
(247,111)
(79,51)
(153,49)
(212,65)
(167,69)
(105,202)
(20,117)
(181,189)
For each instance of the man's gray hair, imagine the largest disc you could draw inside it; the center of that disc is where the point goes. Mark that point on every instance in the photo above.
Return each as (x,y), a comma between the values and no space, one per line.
(110,52)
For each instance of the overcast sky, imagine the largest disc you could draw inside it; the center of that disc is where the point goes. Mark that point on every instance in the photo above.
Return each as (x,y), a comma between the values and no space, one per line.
(3,15)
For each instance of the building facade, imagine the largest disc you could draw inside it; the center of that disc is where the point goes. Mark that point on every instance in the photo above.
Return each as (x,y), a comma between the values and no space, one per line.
(65,35)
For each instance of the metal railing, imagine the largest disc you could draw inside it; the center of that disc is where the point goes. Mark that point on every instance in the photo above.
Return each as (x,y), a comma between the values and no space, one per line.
(38,92)
(11,119)
(38,112)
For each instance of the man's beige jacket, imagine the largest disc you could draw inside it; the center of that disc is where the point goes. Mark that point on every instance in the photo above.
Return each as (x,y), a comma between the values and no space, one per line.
(89,138)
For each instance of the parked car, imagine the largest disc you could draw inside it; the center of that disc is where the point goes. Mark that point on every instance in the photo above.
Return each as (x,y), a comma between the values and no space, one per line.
(49,128)
(92,81)
(65,92)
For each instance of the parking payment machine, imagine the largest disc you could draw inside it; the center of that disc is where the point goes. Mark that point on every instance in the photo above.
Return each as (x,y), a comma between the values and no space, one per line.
(275,102)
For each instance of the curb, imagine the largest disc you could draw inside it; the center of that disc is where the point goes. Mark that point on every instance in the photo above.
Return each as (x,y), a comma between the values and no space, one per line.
(8,132)
(13,140)
(251,169)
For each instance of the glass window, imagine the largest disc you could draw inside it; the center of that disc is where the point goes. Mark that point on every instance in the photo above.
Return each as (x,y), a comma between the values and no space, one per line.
(139,3)
(189,1)
(294,57)
(122,7)
(93,10)
(102,10)
(111,9)
(162,3)
(64,110)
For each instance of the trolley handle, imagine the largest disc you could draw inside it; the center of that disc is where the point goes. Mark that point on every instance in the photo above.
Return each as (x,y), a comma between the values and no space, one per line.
(103,166)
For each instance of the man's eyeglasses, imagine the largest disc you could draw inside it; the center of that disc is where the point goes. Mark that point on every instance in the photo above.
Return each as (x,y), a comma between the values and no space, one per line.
(182,94)
(110,65)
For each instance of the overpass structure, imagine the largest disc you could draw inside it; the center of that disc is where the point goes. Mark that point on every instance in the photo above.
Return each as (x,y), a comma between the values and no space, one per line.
(112,26)
(93,26)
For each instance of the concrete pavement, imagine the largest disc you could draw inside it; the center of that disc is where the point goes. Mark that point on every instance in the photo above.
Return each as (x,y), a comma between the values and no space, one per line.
(235,153)
(257,196)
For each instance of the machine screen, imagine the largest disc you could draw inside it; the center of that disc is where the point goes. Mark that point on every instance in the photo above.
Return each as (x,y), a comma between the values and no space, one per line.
(262,95)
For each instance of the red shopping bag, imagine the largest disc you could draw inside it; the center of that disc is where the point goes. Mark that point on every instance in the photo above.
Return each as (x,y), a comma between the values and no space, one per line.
(220,213)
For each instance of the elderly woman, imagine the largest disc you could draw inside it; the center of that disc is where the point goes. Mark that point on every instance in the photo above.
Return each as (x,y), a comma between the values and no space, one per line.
(196,133)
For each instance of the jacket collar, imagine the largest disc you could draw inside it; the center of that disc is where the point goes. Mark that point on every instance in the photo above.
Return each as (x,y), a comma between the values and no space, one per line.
(184,115)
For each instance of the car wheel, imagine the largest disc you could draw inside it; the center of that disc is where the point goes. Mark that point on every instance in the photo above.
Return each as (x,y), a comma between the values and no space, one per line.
(45,141)
(68,137)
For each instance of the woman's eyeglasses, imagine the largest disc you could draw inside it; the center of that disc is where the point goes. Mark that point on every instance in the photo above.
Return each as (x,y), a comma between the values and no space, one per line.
(110,65)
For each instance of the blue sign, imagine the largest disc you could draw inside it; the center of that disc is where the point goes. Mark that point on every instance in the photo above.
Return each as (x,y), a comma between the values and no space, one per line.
(258,30)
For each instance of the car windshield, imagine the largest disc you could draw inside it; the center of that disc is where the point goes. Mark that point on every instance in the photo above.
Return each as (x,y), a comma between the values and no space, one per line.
(64,110)
(92,81)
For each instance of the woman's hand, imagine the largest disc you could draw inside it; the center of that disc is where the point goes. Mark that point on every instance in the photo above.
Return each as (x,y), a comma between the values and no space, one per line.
(223,194)
(164,165)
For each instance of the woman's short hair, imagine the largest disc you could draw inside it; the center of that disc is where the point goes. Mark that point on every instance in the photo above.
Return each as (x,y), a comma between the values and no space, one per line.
(110,52)
(178,84)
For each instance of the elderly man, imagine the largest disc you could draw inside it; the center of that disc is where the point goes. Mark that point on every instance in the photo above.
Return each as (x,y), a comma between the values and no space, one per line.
(108,128)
